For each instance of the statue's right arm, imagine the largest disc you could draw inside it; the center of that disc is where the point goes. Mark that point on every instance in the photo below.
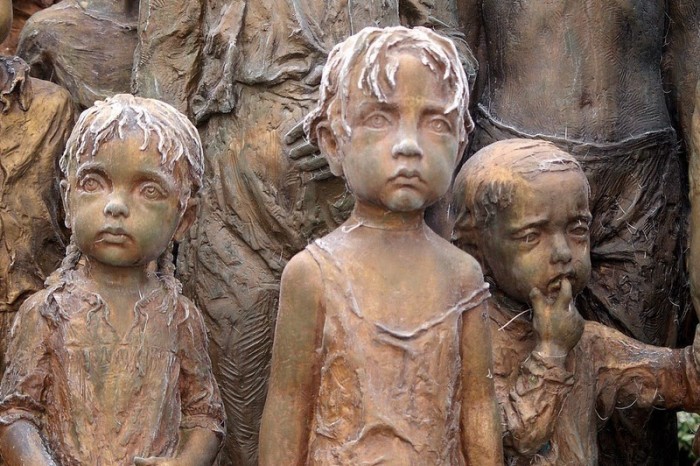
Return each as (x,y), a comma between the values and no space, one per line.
(694,175)
(22,385)
(284,432)
(470,19)
(21,444)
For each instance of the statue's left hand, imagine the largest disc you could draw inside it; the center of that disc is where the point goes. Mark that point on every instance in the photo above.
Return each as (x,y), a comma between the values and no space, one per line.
(306,155)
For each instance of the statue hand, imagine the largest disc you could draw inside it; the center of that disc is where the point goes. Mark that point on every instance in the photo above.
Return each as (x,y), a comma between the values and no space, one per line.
(306,155)
(556,322)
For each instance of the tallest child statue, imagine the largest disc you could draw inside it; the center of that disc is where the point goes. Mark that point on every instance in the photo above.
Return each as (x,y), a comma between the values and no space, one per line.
(382,348)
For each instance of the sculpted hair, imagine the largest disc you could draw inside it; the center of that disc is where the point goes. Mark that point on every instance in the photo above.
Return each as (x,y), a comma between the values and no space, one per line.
(374,53)
(175,136)
(486,183)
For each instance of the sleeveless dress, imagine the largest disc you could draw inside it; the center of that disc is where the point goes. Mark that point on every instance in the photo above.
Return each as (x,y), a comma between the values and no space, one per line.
(387,396)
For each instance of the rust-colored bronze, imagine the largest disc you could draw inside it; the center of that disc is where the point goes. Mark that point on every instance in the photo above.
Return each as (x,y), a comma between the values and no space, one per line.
(93,61)
(694,176)
(596,77)
(521,207)
(21,11)
(35,120)
(382,352)
(248,73)
(108,363)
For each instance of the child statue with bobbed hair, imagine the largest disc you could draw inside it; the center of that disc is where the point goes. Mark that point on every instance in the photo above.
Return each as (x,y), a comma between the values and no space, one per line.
(108,364)
(382,352)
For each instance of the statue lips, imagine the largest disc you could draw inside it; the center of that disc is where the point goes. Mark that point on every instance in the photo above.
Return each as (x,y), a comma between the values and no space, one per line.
(113,235)
(554,284)
(407,177)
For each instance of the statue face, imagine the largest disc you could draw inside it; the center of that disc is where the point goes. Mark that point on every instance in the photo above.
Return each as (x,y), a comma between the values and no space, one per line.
(123,205)
(402,152)
(541,237)
(5,18)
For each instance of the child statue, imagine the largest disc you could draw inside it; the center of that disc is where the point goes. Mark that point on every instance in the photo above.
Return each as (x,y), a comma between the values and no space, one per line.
(35,120)
(382,349)
(521,208)
(108,364)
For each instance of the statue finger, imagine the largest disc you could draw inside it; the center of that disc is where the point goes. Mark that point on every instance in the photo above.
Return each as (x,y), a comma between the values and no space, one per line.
(302,150)
(563,300)
(323,174)
(313,163)
(294,134)
(537,300)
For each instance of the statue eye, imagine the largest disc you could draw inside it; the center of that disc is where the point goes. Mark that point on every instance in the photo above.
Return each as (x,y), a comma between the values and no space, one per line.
(91,184)
(439,125)
(377,121)
(580,230)
(152,191)
(528,238)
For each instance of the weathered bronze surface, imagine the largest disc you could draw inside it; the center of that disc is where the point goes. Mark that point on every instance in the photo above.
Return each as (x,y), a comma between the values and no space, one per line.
(607,81)
(92,61)
(108,363)
(21,11)
(382,350)
(35,120)
(521,207)
(249,80)
(610,82)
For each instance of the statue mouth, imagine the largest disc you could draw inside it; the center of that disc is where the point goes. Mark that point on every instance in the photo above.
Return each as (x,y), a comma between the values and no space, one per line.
(113,236)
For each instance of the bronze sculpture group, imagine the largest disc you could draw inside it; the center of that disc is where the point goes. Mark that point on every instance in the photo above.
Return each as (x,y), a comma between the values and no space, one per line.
(390,346)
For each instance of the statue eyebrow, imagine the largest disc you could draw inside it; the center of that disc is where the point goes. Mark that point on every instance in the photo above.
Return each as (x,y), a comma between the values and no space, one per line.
(89,167)
(157,176)
(528,223)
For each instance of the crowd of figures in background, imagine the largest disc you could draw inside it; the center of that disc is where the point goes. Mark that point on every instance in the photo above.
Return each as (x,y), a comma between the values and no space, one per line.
(610,82)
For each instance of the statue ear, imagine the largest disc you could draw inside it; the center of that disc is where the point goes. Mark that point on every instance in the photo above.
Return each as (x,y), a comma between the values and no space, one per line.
(330,149)
(187,219)
(65,197)
(466,238)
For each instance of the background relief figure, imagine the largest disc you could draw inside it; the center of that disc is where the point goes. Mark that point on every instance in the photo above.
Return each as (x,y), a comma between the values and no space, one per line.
(35,120)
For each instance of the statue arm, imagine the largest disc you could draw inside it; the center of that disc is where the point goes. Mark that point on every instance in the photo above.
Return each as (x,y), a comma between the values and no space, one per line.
(284,432)
(469,19)
(198,447)
(628,372)
(694,175)
(480,423)
(681,63)
(21,444)
(25,380)
(533,403)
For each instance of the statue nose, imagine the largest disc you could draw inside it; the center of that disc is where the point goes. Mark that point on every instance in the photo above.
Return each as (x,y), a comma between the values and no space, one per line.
(407,147)
(561,252)
(116,207)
